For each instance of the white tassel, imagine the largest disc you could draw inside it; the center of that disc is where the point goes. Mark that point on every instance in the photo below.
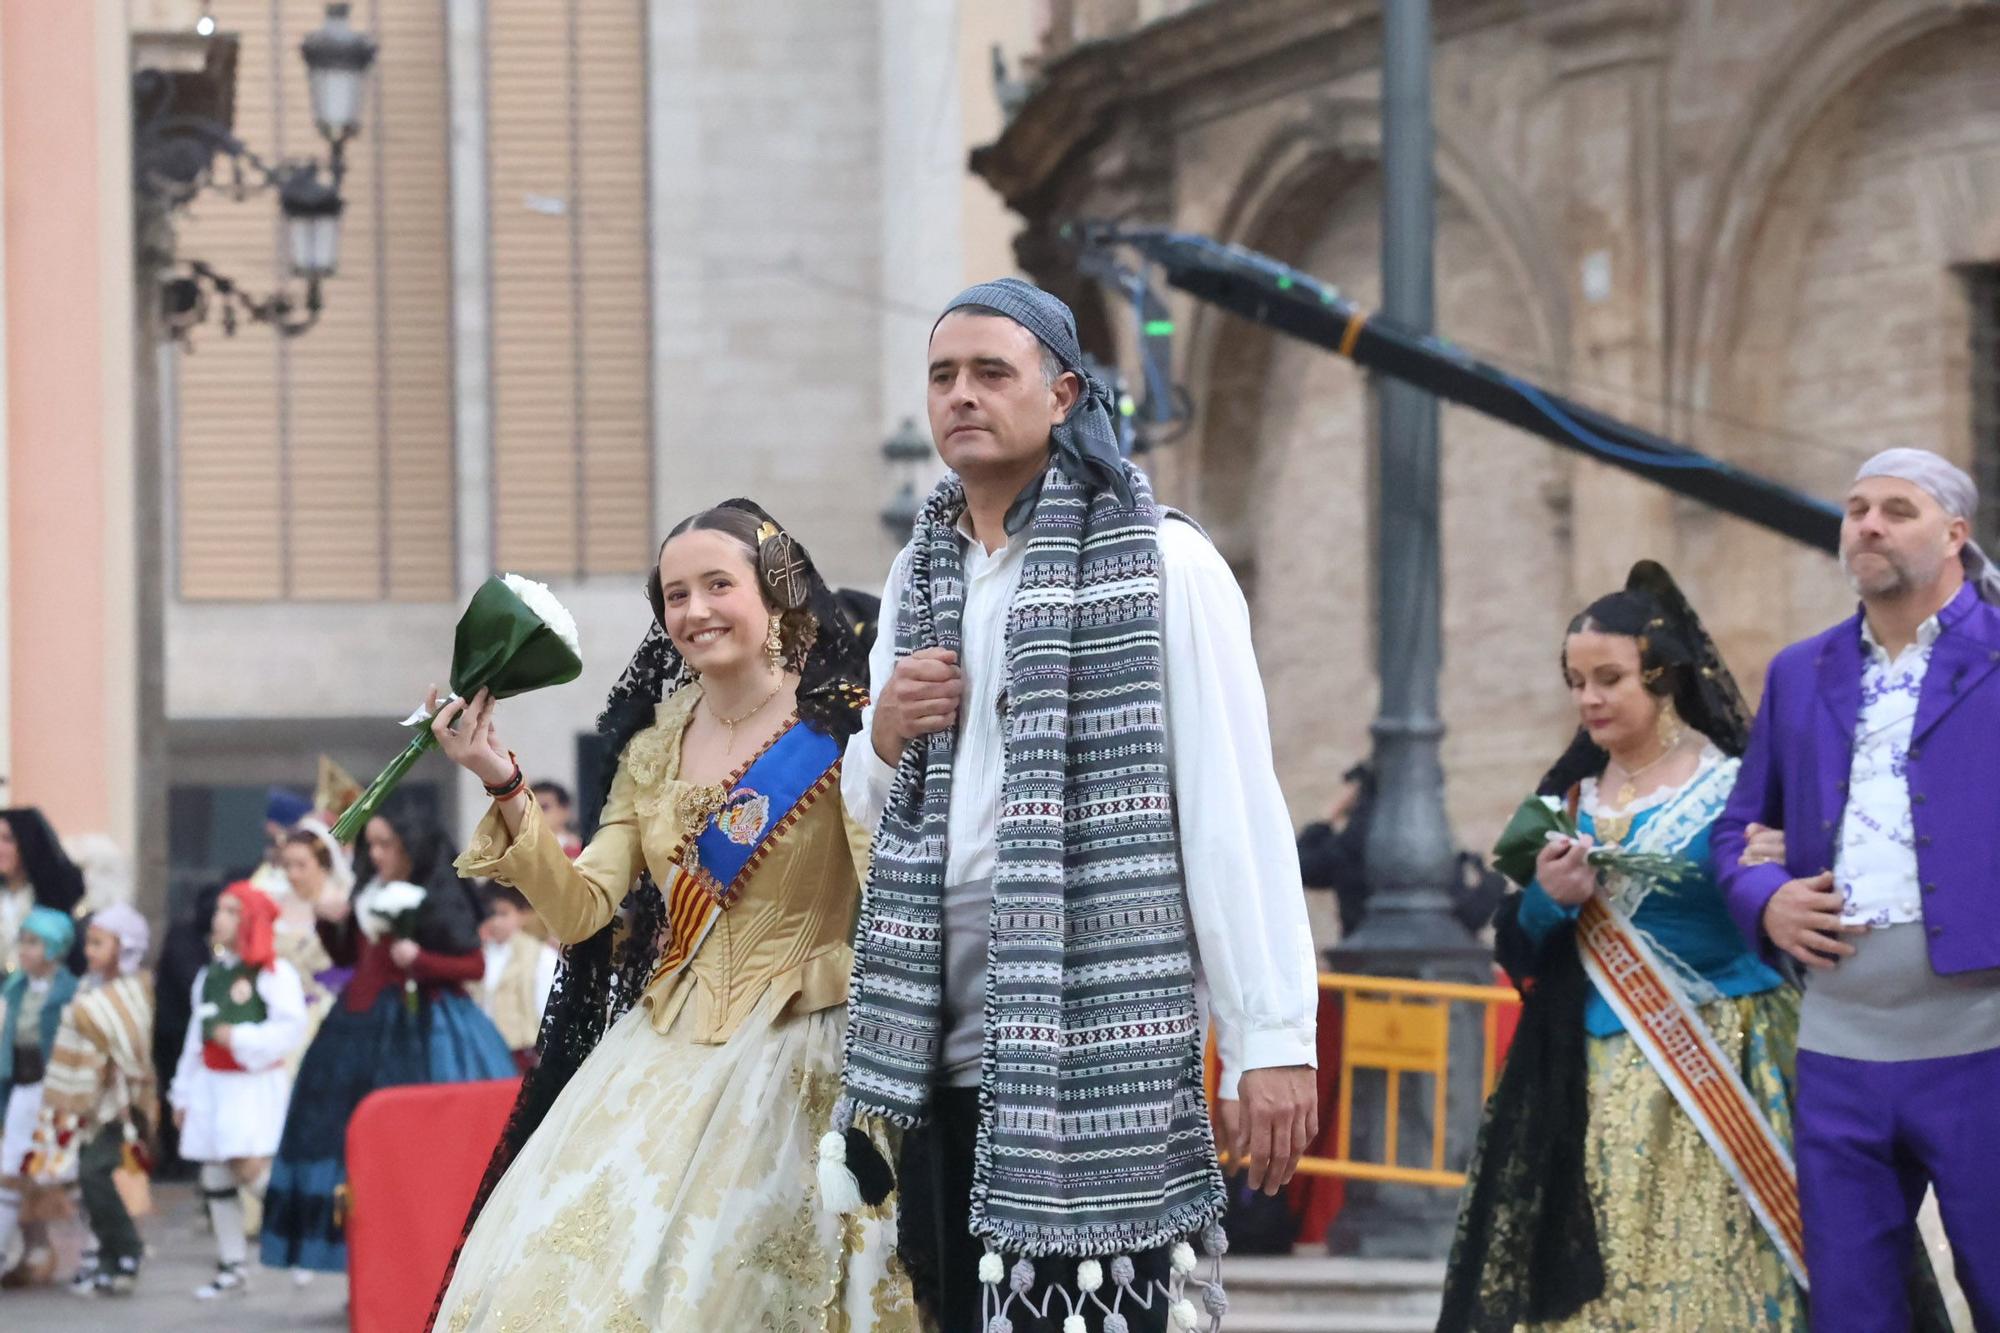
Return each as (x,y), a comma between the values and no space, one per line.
(839,1192)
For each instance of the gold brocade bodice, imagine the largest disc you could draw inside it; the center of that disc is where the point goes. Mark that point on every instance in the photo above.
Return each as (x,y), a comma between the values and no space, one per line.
(782,947)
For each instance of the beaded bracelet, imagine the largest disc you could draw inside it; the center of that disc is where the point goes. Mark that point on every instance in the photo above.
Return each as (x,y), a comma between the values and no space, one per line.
(512,785)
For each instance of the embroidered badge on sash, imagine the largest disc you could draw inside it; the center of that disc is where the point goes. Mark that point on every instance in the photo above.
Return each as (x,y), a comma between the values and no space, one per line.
(743,816)
(764,800)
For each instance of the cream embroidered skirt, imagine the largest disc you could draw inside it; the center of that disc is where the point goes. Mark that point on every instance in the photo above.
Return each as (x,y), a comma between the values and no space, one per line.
(673,1186)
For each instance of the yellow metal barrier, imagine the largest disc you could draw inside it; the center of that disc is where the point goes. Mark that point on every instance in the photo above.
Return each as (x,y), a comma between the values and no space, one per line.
(1399,1026)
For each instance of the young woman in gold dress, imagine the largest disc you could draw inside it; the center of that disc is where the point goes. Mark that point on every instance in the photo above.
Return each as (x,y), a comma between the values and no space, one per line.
(664,1175)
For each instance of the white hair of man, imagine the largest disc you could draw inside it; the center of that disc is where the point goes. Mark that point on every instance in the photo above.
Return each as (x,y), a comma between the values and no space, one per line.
(1948,484)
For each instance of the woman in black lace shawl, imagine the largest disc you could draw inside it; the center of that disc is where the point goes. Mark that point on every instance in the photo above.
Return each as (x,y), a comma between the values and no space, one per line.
(747,1001)
(1583,1156)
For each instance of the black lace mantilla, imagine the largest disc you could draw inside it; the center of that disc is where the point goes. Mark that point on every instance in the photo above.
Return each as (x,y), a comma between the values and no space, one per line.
(601,978)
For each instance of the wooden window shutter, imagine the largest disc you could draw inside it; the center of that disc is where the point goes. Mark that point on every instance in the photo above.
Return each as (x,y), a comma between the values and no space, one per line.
(320,468)
(230,473)
(571,319)
(412,142)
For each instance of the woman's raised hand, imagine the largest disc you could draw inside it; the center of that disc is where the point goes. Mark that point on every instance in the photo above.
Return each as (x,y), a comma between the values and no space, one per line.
(1564,871)
(1763,846)
(464,731)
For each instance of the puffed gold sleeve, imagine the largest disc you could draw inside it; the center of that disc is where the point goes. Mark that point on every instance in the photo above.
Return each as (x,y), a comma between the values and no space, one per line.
(576,898)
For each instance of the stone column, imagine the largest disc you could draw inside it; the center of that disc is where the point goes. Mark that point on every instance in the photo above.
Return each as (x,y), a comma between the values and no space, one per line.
(471,332)
(68,415)
(1610,61)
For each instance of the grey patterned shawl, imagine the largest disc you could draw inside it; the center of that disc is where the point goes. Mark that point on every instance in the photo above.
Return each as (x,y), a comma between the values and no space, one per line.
(1094,1135)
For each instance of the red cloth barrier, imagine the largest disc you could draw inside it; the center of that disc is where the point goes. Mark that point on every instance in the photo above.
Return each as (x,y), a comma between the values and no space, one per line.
(1317,1200)
(415,1156)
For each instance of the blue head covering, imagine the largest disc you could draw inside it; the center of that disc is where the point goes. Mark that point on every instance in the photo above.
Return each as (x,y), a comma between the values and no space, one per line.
(1084,443)
(286,808)
(54,929)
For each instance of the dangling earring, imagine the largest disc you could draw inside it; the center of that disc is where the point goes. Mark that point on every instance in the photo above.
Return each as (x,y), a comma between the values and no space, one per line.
(1671,727)
(774,645)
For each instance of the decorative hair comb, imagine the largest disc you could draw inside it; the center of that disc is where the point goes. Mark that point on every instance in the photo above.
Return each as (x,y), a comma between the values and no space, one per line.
(782,566)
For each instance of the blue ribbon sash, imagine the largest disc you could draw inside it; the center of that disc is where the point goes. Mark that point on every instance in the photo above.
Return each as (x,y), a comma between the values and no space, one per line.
(766,800)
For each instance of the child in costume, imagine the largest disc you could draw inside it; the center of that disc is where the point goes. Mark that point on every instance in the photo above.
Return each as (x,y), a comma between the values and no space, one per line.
(31,1008)
(315,867)
(231,1090)
(35,871)
(520,970)
(100,1100)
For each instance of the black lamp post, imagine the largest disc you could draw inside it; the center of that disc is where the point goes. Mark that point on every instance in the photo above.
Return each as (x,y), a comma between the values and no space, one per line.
(1411,862)
(182,129)
(337,62)
(906,452)
(312,224)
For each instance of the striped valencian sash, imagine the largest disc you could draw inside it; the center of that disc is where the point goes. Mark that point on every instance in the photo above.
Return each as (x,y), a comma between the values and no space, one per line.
(1643,992)
(691,912)
(763,800)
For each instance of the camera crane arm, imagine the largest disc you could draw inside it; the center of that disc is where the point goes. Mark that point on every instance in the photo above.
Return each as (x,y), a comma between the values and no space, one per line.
(1278,297)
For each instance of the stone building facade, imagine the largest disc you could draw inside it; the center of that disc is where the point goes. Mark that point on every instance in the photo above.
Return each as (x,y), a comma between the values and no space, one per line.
(1765,227)
(604,262)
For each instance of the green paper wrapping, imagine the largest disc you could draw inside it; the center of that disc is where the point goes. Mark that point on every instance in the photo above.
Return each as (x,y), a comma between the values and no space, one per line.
(1525,836)
(513,637)
(1521,842)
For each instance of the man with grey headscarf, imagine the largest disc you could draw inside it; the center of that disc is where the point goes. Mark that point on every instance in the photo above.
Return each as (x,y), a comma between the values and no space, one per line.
(1877,751)
(1068,765)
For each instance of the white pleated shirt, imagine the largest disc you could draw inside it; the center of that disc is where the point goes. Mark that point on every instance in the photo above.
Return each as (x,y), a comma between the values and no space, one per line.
(1239,859)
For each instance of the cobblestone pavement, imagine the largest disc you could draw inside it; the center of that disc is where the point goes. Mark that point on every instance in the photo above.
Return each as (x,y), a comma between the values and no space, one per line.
(180,1257)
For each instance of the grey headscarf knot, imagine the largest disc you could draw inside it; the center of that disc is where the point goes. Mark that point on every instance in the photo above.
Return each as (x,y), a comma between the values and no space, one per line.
(1084,442)
(1949,485)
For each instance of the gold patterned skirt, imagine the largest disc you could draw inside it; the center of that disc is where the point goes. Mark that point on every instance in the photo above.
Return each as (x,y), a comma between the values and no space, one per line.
(1682,1251)
(673,1186)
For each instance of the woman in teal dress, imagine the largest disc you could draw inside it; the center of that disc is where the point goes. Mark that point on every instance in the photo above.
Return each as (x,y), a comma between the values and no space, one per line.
(1595,1203)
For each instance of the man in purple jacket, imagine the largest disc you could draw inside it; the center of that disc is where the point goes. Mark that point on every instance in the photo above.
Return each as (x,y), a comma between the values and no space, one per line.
(1877,751)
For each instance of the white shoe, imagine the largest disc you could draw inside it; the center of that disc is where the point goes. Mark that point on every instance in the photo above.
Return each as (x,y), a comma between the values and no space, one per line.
(302,1277)
(229,1280)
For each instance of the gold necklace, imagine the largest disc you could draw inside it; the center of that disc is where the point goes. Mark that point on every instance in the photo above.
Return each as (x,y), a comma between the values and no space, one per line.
(733,723)
(1629,791)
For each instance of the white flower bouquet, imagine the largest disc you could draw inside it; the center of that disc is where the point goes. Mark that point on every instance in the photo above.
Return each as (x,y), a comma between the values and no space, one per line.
(389,910)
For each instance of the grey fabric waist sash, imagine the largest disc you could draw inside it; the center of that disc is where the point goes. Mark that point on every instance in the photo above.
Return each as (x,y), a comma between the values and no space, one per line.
(968,926)
(1886,1004)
